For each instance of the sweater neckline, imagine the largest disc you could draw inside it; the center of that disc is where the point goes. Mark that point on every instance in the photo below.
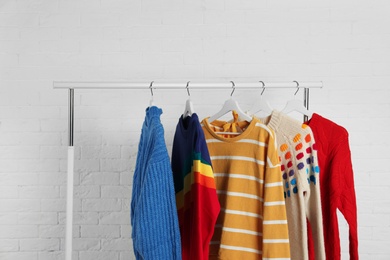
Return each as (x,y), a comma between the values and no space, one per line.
(186,123)
(272,121)
(282,123)
(244,134)
(152,112)
(314,117)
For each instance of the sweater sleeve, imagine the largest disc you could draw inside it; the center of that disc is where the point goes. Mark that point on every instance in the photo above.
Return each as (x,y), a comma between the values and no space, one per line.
(205,209)
(342,166)
(275,230)
(207,205)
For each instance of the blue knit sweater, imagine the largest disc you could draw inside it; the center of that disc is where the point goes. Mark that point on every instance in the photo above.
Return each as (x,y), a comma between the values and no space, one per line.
(155,233)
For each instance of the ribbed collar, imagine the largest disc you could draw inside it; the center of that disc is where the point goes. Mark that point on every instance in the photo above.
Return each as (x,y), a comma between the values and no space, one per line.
(280,122)
(314,118)
(152,112)
(274,120)
(185,124)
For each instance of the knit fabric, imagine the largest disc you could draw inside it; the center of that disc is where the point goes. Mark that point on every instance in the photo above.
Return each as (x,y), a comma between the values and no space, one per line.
(252,223)
(299,164)
(196,196)
(155,229)
(336,183)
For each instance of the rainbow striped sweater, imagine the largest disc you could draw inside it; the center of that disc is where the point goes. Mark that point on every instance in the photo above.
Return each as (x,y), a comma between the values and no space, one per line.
(196,197)
(252,223)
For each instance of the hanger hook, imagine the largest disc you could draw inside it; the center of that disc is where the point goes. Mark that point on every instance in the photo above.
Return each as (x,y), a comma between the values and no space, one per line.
(262,87)
(234,88)
(188,89)
(151,88)
(297,87)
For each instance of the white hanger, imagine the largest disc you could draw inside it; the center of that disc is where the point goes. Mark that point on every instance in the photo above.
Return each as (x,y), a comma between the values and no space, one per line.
(189,109)
(261,105)
(151,102)
(228,106)
(296,105)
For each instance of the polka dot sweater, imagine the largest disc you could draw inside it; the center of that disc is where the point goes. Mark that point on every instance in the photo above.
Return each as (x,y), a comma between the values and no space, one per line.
(300,172)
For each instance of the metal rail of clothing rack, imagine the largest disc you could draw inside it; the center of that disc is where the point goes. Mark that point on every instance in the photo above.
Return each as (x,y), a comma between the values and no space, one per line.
(72,85)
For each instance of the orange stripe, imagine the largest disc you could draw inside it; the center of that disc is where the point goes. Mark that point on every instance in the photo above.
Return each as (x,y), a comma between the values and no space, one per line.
(204,180)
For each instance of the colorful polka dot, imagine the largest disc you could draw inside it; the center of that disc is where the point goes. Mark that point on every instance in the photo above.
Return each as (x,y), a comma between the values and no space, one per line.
(291,173)
(300,166)
(294,181)
(299,156)
(283,147)
(313,179)
(314,146)
(308,150)
(298,147)
(304,126)
(289,164)
(288,193)
(285,175)
(297,138)
(282,167)
(316,169)
(287,185)
(307,138)
(295,190)
(287,156)
(308,160)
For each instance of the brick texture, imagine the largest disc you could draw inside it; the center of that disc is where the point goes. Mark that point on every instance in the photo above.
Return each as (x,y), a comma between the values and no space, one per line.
(343,43)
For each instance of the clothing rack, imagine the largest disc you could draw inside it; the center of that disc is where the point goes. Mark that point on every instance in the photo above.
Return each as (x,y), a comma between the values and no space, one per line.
(72,85)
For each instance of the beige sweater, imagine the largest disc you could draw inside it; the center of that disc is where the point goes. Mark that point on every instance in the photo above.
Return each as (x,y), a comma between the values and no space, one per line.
(300,170)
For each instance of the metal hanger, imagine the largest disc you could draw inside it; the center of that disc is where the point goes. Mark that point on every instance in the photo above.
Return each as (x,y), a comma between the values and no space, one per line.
(151,102)
(189,108)
(261,105)
(296,105)
(230,105)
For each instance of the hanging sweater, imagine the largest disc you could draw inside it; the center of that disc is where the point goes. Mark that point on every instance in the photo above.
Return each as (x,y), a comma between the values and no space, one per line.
(336,183)
(299,165)
(252,223)
(196,197)
(155,232)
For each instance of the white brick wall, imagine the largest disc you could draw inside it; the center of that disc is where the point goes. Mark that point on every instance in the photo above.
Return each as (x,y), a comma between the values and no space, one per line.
(344,43)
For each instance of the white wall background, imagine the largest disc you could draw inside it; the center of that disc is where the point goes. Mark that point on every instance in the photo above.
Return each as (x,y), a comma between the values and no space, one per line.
(344,43)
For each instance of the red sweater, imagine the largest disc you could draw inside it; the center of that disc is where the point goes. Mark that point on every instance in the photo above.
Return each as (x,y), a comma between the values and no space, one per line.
(336,184)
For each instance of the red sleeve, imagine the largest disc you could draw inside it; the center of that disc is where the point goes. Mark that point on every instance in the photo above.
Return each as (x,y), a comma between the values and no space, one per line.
(342,166)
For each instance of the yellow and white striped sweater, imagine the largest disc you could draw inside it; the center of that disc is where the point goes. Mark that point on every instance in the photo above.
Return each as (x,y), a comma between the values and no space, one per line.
(252,223)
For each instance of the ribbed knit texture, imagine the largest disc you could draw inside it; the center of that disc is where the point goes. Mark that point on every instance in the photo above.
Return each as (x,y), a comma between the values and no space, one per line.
(336,183)
(299,164)
(252,223)
(155,233)
(196,196)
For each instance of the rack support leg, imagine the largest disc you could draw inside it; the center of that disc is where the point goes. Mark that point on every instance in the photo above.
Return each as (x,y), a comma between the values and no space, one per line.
(69,188)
